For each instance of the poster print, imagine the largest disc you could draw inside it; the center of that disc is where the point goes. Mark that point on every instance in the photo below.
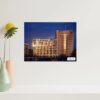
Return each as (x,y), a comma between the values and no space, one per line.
(50,41)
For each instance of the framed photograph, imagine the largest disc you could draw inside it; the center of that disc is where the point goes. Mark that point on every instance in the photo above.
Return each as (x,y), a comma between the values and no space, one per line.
(50,41)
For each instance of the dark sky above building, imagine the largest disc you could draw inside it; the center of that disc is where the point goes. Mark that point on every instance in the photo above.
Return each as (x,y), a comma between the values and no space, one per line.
(33,30)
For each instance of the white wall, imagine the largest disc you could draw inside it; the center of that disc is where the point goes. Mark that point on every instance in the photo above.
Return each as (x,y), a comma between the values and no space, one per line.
(87,15)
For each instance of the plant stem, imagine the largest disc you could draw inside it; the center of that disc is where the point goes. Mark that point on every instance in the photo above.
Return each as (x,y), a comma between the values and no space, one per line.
(0,60)
(0,63)
(4,50)
(9,48)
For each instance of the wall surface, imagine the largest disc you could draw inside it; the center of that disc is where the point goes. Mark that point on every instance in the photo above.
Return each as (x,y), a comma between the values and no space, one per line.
(86,71)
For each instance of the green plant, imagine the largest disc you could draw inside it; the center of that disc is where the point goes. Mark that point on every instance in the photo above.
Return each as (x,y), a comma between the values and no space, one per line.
(11,30)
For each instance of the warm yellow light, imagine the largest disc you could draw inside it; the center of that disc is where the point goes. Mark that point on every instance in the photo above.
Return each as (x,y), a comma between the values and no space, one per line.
(64,43)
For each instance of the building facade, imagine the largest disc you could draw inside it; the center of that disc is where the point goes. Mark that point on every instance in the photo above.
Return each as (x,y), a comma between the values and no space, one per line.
(26,51)
(44,47)
(65,42)
(62,45)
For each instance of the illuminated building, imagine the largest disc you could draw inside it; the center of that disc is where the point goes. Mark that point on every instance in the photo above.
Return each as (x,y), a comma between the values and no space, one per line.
(62,45)
(26,51)
(44,47)
(65,42)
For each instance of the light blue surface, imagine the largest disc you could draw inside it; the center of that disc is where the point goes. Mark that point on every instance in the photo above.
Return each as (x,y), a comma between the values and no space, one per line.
(5,81)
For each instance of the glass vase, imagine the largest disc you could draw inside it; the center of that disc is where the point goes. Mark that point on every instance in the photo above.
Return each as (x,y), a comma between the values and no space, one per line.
(5,81)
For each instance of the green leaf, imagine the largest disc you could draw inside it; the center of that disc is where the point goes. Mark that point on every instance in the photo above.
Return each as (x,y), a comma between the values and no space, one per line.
(11,32)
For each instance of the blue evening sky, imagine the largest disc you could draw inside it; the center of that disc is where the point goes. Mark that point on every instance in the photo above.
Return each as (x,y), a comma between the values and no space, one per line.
(46,30)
